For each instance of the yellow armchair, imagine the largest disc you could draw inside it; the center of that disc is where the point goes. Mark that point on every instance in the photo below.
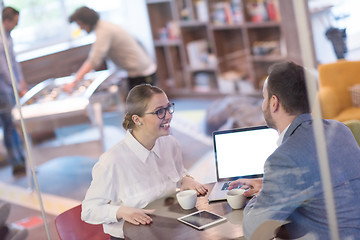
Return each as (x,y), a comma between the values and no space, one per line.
(335,81)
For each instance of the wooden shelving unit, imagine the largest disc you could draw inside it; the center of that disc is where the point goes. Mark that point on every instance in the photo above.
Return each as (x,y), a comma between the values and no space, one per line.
(199,42)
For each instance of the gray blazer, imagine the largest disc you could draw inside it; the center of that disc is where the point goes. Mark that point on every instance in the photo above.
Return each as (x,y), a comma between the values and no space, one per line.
(292,189)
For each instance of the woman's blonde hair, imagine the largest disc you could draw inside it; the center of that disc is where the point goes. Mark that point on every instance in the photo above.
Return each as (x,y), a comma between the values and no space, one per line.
(137,101)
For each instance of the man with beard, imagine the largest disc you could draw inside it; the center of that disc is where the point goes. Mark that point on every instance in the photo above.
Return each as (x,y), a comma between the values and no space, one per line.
(291,191)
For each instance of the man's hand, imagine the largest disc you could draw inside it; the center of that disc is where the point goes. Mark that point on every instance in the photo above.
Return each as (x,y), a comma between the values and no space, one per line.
(134,215)
(69,87)
(188,182)
(252,186)
(23,88)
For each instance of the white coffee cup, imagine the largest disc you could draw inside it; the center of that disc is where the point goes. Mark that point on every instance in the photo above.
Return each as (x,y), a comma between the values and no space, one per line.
(236,198)
(187,199)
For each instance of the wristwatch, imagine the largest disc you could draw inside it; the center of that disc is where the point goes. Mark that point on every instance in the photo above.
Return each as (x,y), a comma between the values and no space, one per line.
(189,176)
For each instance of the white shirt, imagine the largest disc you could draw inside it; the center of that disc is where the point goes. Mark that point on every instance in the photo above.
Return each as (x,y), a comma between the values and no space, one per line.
(281,136)
(129,174)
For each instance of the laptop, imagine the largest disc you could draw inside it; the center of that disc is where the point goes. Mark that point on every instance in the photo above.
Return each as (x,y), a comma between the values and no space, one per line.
(240,153)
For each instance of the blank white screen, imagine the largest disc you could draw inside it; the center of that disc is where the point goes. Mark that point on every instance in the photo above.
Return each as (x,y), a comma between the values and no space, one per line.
(245,152)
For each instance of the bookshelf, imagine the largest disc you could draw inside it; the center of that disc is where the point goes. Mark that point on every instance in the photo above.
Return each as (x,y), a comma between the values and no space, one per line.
(207,47)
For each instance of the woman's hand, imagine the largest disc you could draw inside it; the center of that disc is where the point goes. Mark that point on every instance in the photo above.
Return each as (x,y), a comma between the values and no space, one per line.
(252,186)
(134,215)
(189,182)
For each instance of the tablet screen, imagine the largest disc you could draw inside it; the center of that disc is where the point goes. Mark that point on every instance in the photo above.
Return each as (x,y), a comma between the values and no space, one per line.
(201,219)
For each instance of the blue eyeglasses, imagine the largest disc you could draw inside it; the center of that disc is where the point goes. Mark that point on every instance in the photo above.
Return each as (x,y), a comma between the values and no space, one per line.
(161,113)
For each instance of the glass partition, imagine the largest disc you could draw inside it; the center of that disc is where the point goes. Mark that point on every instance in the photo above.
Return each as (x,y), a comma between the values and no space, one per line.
(65,133)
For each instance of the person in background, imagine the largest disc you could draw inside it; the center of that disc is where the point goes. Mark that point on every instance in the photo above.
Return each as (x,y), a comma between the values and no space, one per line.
(10,18)
(143,167)
(291,191)
(115,43)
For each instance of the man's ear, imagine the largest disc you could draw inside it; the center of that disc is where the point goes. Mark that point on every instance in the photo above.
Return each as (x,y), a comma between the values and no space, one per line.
(274,103)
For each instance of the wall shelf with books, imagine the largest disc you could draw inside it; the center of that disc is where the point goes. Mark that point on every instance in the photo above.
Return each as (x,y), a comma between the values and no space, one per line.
(220,40)
(204,81)
(226,26)
(268,58)
(201,69)
(166,42)
(260,72)
(192,24)
(157,1)
(262,24)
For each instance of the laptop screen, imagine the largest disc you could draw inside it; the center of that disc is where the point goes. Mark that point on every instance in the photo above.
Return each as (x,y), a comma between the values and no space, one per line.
(243,152)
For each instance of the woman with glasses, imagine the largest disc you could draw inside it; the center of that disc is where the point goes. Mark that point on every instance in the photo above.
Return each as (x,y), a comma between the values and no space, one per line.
(143,167)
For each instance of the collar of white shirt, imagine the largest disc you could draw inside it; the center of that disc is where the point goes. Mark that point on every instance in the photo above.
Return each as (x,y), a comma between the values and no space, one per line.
(281,136)
(139,150)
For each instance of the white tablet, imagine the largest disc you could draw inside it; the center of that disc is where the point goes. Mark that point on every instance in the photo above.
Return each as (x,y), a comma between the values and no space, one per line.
(201,219)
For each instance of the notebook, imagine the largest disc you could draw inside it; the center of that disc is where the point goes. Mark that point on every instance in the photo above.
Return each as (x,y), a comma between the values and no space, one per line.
(240,153)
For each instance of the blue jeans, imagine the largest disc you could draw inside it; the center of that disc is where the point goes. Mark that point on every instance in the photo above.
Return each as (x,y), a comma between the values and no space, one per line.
(11,137)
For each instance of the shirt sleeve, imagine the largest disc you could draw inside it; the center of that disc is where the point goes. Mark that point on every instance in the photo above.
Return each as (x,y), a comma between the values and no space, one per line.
(18,72)
(99,205)
(4,70)
(284,189)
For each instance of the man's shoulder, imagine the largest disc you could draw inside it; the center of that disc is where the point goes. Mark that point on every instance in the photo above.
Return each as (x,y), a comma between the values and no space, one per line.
(304,124)
(336,129)
(298,142)
(105,25)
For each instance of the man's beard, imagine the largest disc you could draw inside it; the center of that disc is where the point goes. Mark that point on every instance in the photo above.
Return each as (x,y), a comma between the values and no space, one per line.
(268,118)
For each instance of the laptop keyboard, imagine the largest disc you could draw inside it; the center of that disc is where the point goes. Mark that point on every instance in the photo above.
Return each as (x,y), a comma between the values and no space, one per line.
(226,186)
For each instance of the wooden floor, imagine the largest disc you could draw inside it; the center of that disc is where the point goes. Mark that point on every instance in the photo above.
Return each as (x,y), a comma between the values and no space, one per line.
(63,180)
(36,230)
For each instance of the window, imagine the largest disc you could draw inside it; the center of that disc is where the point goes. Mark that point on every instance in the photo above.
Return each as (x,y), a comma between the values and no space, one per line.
(41,23)
(44,23)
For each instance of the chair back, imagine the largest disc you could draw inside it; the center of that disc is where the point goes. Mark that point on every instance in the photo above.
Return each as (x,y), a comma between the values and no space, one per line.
(69,226)
(335,80)
(354,126)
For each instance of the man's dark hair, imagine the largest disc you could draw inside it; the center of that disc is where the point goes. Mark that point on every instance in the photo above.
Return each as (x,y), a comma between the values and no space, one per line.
(8,13)
(85,15)
(287,82)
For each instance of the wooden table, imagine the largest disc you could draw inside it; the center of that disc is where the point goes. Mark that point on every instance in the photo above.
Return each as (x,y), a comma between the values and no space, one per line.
(166,226)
